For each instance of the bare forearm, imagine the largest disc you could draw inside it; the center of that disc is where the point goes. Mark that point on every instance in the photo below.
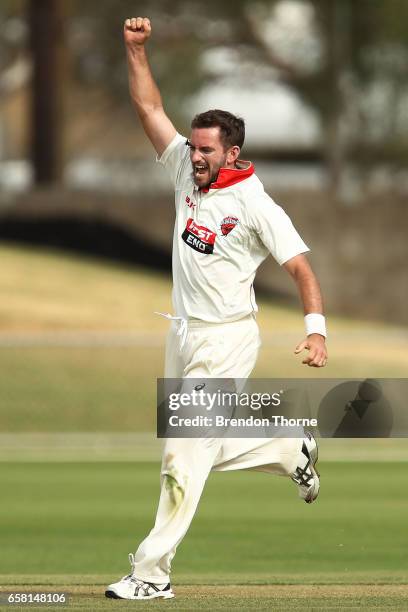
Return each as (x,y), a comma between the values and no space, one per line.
(310,294)
(309,291)
(143,90)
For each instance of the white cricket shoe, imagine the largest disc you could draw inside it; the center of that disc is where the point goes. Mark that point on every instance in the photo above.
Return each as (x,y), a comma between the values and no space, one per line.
(131,587)
(305,475)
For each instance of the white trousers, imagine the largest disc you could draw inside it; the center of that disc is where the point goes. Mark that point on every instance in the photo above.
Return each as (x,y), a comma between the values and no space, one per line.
(227,350)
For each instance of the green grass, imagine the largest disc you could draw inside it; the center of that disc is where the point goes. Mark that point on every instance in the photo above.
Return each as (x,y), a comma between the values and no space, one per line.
(78,389)
(46,290)
(113,388)
(84,518)
(67,525)
(293,597)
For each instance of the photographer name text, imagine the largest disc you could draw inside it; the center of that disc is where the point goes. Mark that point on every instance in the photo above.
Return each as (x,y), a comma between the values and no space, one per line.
(251,421)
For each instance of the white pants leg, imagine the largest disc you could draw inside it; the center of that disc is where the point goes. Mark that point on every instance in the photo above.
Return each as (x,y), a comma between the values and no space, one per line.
(222,351)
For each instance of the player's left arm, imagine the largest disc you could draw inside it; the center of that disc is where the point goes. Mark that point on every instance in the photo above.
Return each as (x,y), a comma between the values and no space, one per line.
(309,290)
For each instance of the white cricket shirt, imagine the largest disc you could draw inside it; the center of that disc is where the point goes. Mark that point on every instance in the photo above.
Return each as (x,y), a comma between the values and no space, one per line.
(221,236)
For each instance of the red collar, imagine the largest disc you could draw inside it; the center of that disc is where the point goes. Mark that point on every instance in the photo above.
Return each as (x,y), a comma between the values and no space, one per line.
(229,176)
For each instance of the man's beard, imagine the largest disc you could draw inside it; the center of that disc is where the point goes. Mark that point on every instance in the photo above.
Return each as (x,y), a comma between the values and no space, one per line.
(212,179)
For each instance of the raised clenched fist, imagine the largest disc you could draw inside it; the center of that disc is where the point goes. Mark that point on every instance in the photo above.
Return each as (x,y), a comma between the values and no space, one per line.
(137,30)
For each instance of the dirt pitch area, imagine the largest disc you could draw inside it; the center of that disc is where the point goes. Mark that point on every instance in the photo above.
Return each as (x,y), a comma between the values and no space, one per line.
(235,597)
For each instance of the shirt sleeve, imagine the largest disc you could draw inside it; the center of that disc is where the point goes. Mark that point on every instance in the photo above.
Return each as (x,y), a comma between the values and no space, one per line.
(175,157)
(276,230)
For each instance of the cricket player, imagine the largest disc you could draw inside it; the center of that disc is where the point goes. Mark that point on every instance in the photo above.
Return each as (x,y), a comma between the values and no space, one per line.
(226,225)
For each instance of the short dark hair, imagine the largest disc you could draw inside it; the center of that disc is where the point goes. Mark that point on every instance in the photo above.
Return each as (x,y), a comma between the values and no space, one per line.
(232,128)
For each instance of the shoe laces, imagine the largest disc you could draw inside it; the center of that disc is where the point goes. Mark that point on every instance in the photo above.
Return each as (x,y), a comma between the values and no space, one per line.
(132,561)
(131,576)
(145,586)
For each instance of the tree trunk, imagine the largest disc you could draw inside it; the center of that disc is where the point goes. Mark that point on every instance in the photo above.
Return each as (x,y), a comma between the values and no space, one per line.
(46,43)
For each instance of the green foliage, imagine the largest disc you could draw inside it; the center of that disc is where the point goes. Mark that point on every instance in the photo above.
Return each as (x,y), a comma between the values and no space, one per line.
(12,31)
(96,44)
(362,45)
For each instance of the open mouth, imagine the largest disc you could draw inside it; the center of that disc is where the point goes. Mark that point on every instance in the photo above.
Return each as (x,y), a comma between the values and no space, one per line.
(200,169)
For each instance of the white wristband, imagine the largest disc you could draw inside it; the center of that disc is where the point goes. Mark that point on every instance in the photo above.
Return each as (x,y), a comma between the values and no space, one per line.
(315,324)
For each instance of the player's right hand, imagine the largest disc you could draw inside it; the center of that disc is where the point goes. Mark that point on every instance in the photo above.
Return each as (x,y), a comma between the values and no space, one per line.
(136,31)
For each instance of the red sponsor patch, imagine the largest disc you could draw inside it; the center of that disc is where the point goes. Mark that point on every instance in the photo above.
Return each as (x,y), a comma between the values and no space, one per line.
(198,237)
(228,224)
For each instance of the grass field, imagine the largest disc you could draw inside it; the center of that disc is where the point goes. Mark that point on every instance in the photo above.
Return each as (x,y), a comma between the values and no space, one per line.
(80,350)
(81,347)
(70,526)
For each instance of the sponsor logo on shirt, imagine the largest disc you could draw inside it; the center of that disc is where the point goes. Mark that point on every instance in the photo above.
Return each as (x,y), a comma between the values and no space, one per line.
(198,237)
(190,203)
(228,224)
